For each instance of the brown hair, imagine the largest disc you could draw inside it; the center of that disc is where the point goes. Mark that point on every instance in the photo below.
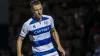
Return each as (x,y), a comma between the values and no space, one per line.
(35,2)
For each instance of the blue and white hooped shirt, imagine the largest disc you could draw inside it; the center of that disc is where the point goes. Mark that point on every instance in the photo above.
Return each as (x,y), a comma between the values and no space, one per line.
(39,33)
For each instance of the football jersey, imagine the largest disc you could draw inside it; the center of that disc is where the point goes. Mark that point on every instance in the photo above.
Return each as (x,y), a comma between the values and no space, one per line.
(39,33)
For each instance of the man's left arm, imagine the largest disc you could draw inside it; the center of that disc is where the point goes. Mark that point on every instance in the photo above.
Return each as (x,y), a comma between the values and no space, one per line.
(56,38)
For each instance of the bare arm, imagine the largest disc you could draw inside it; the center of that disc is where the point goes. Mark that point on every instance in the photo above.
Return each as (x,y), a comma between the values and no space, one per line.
(55,36)
(23,33)
(19,46)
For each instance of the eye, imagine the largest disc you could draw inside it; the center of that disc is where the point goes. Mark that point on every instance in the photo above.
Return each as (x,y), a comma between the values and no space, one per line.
(40,8)
(35,10)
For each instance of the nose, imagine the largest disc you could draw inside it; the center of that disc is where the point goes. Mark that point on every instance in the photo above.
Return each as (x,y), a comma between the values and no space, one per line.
(39,12)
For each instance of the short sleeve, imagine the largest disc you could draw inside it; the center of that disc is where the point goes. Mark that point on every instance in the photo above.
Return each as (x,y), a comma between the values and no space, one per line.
(24,30)
(52,22)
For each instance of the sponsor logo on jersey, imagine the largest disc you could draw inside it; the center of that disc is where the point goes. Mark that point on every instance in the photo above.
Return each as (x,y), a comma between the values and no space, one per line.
(41,30)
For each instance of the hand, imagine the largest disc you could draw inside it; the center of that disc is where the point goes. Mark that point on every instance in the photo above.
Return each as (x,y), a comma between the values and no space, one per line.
(61,50)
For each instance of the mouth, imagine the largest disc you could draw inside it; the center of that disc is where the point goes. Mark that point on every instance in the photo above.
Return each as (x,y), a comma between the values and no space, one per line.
(40,14)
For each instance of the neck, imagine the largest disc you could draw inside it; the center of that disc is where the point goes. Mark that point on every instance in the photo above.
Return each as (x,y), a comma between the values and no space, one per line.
(37,19)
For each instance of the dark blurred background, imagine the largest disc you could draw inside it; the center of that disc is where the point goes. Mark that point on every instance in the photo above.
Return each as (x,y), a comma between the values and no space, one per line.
(77,22)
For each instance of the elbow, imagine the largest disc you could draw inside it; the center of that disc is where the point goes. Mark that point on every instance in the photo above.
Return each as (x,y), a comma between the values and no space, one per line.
(19,40)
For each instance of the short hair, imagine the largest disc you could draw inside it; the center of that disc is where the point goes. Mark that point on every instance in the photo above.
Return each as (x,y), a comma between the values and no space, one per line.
(34,2)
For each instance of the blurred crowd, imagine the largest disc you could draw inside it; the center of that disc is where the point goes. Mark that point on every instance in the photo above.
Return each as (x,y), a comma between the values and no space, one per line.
(77,23)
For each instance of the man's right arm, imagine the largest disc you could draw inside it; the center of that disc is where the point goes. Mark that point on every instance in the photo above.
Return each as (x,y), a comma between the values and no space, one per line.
(19,46)
(23,33)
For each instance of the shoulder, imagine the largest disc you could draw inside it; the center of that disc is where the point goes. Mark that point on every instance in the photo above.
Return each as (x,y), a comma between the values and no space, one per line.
(27,22)
(47,16)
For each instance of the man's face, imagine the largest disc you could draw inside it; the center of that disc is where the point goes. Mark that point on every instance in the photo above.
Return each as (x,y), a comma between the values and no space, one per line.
(37,11)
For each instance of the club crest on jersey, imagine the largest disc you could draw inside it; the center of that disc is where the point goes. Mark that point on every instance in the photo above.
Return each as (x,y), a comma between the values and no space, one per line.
(34,26)
(46,22)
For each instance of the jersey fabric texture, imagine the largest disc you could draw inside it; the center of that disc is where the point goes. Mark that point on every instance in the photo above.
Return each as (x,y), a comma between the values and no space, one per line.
(39,33)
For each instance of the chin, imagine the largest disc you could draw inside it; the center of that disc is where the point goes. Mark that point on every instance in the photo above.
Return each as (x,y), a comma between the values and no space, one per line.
(40,17)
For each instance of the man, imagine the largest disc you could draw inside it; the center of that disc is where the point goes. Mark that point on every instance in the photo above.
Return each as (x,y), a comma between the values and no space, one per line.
(40,28)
